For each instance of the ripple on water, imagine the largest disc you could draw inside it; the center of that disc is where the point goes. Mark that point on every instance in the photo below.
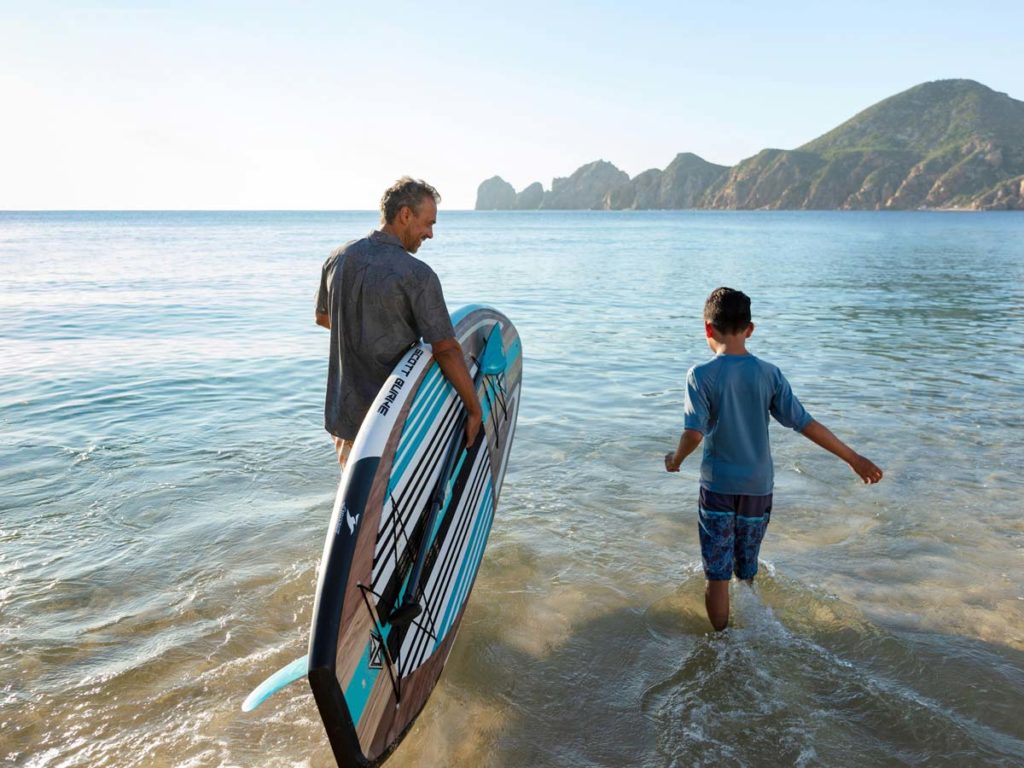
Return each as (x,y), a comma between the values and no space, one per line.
(167,484)
(803,678)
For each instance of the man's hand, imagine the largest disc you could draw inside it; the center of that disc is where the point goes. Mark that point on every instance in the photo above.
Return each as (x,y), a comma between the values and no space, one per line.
(671,465)
(473,423)
(864,467)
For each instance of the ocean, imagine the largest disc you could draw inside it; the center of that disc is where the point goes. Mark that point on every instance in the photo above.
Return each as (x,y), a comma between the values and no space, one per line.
(166,483)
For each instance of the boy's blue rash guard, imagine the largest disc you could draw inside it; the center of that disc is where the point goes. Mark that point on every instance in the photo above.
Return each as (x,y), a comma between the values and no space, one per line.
(728,400)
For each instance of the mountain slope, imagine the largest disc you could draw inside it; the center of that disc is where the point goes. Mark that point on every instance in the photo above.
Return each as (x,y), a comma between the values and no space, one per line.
(943,144)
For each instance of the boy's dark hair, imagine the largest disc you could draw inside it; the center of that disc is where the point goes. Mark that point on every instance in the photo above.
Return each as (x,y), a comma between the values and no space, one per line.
(405,192)
(727,310)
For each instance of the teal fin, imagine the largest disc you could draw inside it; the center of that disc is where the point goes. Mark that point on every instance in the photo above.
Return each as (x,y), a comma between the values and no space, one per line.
(493,360)
(287,674)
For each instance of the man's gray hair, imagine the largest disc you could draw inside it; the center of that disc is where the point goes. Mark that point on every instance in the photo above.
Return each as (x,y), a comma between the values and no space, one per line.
(405,192)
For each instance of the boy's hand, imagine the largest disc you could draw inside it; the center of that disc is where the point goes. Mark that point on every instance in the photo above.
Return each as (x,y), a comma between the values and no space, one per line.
(688,441)
(867,470)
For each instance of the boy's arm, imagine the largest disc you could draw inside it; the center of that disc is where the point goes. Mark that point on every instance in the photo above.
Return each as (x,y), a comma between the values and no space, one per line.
(818,433)
(688,442)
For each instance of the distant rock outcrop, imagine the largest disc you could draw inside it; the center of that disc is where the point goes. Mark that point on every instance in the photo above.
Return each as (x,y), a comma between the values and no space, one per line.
(773,178)
(495,194)
(686,180)
(1008,196)
(682,184)
(586,188)
(944,144)
(531,198)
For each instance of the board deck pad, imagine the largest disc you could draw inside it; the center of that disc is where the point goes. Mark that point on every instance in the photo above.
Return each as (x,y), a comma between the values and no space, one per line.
(371,674)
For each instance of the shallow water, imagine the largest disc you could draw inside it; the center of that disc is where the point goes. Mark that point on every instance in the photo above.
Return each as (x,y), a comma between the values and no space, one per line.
(167,483)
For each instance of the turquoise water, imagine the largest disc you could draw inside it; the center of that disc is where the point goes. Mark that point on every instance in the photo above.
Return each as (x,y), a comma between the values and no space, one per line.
(166,486)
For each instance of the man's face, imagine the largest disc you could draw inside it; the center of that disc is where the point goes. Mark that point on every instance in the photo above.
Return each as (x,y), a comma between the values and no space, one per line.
(419,226)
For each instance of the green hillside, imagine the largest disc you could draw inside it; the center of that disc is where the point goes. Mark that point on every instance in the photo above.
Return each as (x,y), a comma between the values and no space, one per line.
(944,144)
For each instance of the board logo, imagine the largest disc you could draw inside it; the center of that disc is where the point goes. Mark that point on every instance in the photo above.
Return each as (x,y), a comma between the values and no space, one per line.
(392,395)
(376,651)
(352,521)
(410,365)
(346,517)
(399,382)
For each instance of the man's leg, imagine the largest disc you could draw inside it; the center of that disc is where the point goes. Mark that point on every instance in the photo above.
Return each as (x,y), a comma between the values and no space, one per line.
(343,448)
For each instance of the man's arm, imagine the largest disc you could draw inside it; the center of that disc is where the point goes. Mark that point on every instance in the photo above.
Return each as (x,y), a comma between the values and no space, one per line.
(819,434)
(688,442)
(323,320)
(448,353)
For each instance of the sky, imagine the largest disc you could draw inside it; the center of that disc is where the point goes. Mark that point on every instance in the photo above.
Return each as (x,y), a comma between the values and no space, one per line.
(320,106)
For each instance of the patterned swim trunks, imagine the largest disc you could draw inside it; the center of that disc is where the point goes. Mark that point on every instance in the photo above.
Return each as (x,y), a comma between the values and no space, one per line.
(731,529)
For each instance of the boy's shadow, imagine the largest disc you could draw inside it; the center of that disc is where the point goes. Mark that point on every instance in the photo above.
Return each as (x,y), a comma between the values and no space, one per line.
(799,678)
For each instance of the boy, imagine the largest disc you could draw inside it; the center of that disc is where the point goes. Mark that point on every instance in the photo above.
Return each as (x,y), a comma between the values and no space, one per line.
(728,400)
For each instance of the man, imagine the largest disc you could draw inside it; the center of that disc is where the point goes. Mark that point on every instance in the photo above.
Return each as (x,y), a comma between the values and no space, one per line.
(378,300)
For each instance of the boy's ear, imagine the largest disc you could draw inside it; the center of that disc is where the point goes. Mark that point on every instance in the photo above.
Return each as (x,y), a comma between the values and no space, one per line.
(709,330)
(750,330)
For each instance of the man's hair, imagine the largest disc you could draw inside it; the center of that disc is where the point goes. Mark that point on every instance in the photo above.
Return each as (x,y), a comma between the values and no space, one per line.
(405,192)
(727,310)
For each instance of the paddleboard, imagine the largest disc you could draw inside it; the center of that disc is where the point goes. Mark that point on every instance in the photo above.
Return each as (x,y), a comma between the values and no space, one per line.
(410,522)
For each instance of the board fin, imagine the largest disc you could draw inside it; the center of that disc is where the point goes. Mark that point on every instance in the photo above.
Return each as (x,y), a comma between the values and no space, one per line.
(493,359)
(284,676)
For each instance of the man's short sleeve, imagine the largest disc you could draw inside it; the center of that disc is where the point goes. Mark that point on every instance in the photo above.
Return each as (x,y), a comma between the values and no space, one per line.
(696,409)
(430,311)
(785,407)
(322,296)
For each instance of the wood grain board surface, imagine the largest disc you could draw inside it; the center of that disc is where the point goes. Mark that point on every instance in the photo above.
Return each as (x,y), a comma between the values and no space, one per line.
(372,673)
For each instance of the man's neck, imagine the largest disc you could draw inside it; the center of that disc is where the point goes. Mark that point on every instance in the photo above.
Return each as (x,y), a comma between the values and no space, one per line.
(389,229)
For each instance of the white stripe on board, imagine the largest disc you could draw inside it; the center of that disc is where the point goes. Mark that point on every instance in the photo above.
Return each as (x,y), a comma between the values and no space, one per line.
(442,577)
(412,497)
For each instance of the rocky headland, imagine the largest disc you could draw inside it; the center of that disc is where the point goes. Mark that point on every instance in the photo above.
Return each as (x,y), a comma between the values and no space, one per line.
(953,144)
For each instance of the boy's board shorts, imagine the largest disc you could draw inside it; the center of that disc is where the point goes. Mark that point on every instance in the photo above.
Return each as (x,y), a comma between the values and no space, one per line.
(731,529)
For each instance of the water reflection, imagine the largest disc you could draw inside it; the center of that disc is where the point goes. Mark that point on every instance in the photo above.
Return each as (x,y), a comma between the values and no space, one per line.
(167,484)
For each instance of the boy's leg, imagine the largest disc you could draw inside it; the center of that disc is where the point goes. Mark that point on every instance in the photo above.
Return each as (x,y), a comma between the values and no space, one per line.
(717,523)
(716,602)
(752,516)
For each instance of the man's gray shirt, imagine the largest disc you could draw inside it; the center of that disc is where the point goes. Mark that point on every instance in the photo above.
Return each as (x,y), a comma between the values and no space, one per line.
(381,301)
